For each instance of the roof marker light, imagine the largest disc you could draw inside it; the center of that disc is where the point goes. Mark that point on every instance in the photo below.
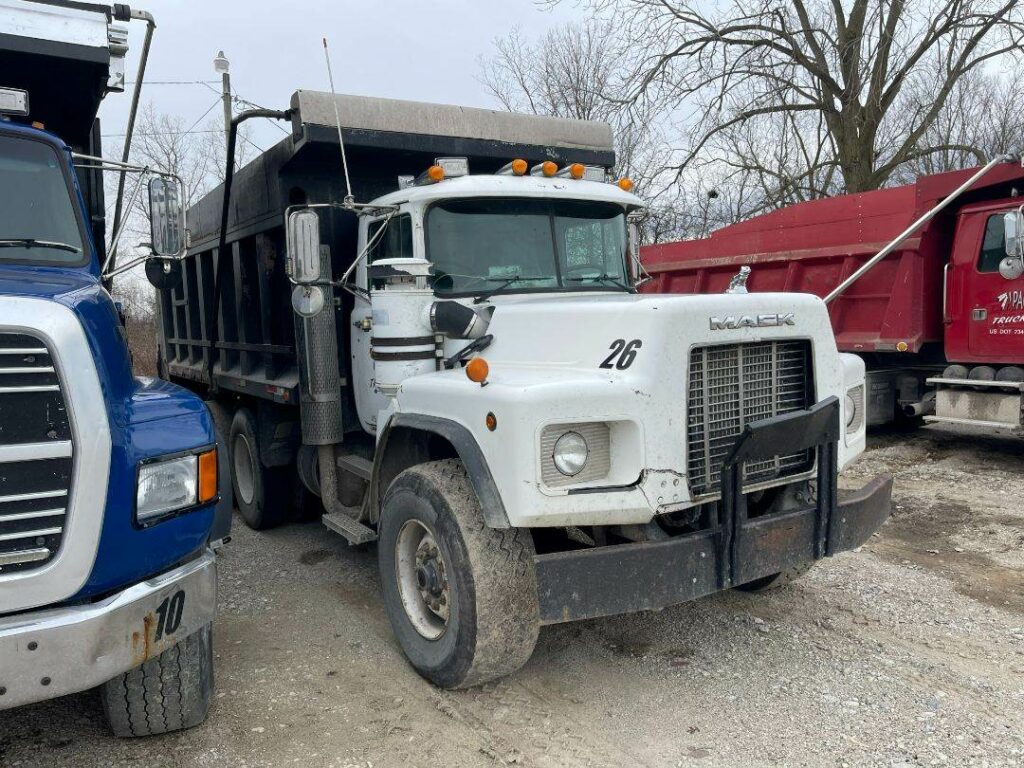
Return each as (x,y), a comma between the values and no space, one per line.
(517,167)
(547,168)
(573,170)
(626,185)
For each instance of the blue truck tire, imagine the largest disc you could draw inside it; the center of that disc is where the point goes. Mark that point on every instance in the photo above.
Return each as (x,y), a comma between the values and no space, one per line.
(169,693)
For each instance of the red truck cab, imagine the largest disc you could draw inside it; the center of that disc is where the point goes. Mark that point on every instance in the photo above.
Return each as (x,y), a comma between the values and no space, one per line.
(984,316)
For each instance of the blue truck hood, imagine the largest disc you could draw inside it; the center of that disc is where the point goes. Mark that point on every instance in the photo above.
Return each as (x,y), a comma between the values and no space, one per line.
(148,418)
(42,282)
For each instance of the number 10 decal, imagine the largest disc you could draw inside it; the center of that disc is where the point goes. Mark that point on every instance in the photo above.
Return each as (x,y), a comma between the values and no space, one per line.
(625,351)
(169,612)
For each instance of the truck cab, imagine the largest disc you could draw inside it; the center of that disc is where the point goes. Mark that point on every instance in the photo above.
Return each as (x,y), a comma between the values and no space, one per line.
(108,483)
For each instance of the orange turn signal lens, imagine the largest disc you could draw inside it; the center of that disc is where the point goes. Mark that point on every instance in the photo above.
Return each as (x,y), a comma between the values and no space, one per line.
(435,173)
(207,476)
(576,170)
(477,370)
(520,167)
(626,185)
(549,168)
(491,421)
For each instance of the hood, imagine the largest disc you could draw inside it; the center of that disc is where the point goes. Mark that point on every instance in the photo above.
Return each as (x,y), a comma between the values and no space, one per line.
(583,331)
(42,282)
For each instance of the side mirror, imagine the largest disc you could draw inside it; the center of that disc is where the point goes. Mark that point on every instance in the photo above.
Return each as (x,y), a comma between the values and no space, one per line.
(166,217)
(163,274)
(304,246)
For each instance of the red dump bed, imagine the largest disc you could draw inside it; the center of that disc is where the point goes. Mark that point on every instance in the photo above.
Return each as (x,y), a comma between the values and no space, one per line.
(811,247)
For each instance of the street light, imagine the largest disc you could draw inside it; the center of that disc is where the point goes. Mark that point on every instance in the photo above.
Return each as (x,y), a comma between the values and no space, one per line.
(221,65)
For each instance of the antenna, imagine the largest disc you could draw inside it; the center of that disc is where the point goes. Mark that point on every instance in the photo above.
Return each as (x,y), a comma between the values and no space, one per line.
(349,199)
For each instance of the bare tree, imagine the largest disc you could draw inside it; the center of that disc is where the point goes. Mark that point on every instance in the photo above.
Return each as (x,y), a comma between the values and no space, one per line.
(850,65)
(574,74)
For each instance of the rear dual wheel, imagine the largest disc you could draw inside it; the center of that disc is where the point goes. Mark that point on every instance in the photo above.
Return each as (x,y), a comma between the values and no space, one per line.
(262,494)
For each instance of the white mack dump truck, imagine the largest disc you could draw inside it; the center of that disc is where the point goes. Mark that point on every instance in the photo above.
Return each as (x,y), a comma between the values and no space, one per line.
(459,367)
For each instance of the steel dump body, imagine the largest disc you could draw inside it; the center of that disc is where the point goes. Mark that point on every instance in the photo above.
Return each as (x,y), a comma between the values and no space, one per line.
(811,247)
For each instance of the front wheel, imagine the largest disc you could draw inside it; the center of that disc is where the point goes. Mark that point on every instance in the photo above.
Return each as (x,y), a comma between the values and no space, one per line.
(168,693)
(461,597)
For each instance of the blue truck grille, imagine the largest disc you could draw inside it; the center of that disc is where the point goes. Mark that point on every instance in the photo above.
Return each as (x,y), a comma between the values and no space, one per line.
(36,455)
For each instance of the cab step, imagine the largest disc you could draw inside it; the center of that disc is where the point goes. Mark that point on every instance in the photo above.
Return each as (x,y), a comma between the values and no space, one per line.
(352,530)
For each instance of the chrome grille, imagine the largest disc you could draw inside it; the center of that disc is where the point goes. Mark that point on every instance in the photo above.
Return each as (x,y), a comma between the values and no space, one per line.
(35,454)
(732,385)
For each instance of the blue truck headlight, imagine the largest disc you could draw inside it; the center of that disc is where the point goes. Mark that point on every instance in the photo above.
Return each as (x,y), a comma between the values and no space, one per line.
(171,485)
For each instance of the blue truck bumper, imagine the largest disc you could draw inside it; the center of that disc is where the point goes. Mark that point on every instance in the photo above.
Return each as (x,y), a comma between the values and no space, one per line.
(49,653)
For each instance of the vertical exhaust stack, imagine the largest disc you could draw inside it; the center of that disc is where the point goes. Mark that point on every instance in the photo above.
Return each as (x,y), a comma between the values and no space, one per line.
(316,339)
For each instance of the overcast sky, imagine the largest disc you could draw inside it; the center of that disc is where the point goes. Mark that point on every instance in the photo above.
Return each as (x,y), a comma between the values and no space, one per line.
(426,50)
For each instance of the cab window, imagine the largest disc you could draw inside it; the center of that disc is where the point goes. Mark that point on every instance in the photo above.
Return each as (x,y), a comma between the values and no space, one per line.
(395,243)
(993,246)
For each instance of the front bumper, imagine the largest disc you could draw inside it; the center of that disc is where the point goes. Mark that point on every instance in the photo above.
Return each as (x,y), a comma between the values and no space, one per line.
(733,549)
(50,653)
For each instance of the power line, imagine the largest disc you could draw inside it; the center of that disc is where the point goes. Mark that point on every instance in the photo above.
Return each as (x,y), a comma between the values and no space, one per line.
(172,82)
(163,133)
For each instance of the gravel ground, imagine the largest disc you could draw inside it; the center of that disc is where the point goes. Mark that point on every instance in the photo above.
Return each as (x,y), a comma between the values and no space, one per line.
(908,652)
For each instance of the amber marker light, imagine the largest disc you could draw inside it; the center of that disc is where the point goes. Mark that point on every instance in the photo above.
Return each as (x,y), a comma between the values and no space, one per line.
(902,346)
(491,421)
(435,173)
(477,370)
(520,167)
(207,476)
(626,185)
(576,170)
(549,168)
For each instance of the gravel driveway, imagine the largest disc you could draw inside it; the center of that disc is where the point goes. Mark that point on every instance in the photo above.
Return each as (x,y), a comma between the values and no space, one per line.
(908,652)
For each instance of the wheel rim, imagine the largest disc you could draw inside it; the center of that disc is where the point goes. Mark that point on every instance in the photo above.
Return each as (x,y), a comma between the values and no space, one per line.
(422,577)
(245,468)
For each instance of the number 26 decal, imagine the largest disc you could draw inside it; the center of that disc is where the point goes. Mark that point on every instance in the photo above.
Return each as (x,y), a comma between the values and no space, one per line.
(625,351)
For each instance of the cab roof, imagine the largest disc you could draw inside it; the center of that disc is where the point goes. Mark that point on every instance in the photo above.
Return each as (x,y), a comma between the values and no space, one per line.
(487,185)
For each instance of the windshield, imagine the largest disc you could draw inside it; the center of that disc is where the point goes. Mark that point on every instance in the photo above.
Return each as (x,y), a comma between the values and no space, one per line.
(37,219)
(479,244)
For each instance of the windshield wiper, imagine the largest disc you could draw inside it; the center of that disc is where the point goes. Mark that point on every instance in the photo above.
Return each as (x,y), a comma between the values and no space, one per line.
(610,279)
(505,283)
(29,242)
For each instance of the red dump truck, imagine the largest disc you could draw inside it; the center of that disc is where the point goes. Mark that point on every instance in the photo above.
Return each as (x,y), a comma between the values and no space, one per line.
(924,281)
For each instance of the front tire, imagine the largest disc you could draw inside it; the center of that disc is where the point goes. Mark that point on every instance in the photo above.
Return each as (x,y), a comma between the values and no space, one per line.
(461,597)
(169,693)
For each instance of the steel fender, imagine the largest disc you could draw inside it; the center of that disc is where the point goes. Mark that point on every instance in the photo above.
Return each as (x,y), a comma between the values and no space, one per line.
(469,452)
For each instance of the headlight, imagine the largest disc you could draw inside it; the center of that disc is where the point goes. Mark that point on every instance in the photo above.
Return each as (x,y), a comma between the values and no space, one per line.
(854,408)
(176,484)
(570,454)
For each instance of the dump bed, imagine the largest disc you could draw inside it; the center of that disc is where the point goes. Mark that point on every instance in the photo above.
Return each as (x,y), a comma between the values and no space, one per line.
(811,247)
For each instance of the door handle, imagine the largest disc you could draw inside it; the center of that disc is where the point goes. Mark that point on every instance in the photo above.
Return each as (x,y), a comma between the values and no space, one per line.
(979,313)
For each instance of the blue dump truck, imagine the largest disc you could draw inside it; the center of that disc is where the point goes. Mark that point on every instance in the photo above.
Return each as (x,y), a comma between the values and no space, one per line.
(110,507)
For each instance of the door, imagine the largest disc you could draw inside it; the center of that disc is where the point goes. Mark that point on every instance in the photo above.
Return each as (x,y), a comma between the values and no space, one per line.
(989,324)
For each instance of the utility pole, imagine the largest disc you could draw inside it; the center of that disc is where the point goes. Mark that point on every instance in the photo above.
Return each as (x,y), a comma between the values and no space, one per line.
(221,65)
